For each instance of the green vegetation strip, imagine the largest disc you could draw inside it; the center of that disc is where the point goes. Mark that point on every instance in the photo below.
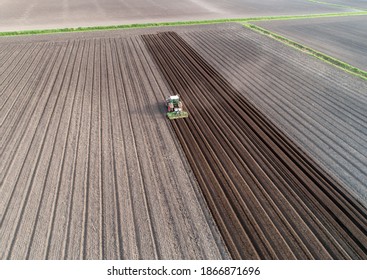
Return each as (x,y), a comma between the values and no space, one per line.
(146,25)
(336,5)
(331,60)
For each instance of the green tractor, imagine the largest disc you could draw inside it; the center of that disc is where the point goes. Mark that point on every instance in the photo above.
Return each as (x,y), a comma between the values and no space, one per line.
(175,108)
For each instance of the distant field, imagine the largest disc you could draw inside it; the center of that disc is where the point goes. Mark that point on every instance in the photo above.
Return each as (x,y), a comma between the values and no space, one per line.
(360,4)
(341,37)
(46,14)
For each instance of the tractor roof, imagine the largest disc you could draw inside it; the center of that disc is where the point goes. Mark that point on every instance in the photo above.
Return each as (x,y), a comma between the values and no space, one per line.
(174,97)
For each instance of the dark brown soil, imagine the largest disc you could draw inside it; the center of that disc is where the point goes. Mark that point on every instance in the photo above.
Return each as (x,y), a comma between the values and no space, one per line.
(270,199)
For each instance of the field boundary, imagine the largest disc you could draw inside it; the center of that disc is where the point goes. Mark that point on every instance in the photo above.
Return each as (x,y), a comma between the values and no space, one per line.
(324,57)
(177,23)
(336,5)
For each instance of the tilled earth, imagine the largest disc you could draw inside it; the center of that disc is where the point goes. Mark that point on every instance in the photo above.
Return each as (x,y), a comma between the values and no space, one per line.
(320,107)
(91,168)
(339,37)
(270,199)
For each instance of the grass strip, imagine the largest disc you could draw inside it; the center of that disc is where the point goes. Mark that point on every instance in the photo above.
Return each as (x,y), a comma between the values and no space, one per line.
(331,60)
(177,23)
(336,5)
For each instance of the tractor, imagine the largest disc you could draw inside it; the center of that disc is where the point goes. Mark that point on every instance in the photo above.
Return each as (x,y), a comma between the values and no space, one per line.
(175,108)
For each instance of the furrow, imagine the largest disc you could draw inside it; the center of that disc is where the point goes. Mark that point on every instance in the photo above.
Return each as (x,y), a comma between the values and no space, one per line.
(52,147)
(12,131)
(74,232)
(19,109)
(59,175)
(87,133)
(24,144)
(73,144)
(122,139)
(113,238)
(15,71)
(147,245)
(28,78)
(24,181)
(91,247)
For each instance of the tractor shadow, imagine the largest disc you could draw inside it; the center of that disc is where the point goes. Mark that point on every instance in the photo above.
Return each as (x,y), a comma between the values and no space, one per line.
(156,110)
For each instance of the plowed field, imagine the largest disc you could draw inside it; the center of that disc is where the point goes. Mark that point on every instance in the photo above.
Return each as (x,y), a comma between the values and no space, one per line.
(339,37)
(90,168)
(320,107)
(270,199)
